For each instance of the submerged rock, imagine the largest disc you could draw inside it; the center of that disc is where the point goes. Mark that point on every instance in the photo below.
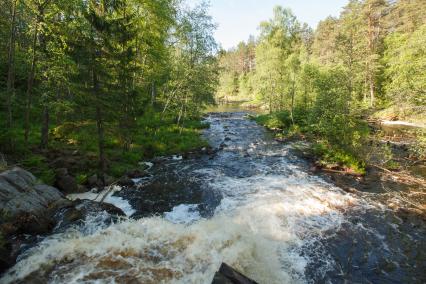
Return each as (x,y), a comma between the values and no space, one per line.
(136,173)
(73,213)
(126,181)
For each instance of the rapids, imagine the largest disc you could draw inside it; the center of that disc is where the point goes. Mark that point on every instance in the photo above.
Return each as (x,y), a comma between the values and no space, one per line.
(253,205)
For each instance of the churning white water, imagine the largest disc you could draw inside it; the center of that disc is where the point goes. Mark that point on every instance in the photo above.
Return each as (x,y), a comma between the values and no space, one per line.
(107,195)
(260,228)
(263,226)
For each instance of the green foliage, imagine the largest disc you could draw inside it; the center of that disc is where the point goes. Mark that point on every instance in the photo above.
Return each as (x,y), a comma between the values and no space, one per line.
(38,165)
(275,121)
(406,82)
(419,148)
(118,81)
(330,155)
(328,118)
(81,178)
(375,49)
(392,165)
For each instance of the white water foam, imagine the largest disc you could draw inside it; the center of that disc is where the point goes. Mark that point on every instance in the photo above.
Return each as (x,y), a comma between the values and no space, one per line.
(268,226)
(148,164)
(183,214)
(177,158)
(260,228)
(114,200)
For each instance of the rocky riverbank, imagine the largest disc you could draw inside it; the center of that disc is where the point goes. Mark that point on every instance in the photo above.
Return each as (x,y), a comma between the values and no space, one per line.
(402,190)
(30,211)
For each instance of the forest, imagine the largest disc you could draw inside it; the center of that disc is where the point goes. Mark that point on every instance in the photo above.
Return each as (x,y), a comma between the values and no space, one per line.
(367,64)
(117,81)
(110,81)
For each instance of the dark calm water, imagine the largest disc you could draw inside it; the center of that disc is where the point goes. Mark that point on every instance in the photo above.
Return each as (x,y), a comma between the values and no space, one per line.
(253,205)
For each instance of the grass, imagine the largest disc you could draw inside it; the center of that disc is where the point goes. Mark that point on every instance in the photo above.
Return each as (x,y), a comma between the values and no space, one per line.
(153,136)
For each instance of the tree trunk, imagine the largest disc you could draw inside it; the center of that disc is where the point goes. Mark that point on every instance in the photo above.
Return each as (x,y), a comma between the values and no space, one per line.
(292,100)
(45,128)
(372,91)
(30,84)
(10,85)
(270,95)
(153,93)
(100,128)
(371,49)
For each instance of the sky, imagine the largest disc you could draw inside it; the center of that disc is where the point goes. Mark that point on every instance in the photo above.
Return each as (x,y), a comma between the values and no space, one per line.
(238,19)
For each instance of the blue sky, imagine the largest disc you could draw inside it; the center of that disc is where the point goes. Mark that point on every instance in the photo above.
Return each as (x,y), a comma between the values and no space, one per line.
(238,19)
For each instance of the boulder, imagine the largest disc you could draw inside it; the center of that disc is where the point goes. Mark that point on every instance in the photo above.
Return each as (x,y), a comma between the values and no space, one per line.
(25,209)
(228,275)
(29,209)
(136,173)
(126,181)
(19,193)
(93,181)
(66,182)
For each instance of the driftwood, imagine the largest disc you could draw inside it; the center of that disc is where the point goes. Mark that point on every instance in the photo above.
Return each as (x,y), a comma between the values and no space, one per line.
(340,172)
(383,169)
(228,275)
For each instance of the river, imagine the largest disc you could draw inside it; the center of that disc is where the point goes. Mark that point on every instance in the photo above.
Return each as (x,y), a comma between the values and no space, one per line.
(253,205)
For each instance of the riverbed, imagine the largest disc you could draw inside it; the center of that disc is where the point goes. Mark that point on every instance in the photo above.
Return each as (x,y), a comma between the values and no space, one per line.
(253,204)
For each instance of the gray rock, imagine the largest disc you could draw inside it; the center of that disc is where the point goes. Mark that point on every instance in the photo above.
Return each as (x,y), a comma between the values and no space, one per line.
(19,193)
(37,209)
(18,178)
(49,193)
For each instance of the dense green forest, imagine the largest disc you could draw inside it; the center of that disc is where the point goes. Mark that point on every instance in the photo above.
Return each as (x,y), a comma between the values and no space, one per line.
(368,63)
(110,81)
(114,81)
